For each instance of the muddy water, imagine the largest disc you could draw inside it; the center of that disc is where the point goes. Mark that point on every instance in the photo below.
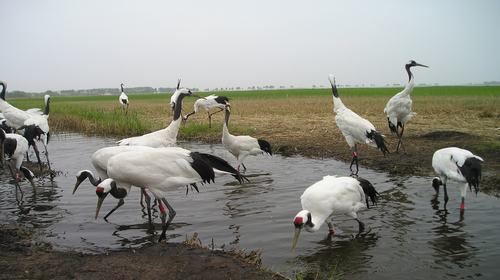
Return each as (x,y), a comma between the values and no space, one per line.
(407,236)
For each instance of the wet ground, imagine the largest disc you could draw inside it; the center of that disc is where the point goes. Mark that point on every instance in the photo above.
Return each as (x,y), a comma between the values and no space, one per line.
(408,234)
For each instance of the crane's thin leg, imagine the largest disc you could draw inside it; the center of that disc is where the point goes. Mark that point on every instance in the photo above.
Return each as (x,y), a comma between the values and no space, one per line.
(171,215)
(142,199)
(445,195)
(331,231)
(400,142)
(244,167)
(27,157)
(48,161)
(361,226)
(120,203)
(354,160)
(209,120)
(37,153)
(148,206)
(220,110)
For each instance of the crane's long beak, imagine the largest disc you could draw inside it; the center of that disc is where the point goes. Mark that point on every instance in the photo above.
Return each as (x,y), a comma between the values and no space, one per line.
(418,64)
(100,199)
(78,182)
(295,237)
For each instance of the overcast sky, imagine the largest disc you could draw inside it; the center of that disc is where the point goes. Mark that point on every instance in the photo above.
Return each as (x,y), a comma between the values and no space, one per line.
(64,44)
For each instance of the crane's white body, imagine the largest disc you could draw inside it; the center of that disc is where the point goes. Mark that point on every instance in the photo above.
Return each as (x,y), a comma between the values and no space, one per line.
(123,99)
(21,149)
(399,108)
(352,126)
(166,137)
(240,146)
(332,196)
(207,104)
(160,170)
(446,163)
(100,158)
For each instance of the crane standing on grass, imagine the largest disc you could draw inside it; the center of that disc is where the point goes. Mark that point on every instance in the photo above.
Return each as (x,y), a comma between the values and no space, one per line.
(398,108)
(123,99)
(356,130)
(208,103)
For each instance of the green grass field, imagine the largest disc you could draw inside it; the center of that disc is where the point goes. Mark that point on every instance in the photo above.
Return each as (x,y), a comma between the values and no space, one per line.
(102,115)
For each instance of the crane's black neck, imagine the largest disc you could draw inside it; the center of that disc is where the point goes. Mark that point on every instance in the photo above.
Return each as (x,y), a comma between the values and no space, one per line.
(47,107)
(178,106)
(121,87)
(410,75)
(118,192)
(4,88)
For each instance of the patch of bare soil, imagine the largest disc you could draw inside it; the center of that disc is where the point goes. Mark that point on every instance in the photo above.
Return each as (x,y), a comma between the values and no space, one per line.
(23,258)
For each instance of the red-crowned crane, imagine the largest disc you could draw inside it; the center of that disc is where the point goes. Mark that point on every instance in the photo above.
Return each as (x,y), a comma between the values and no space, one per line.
(15,147)
(99,160)
(332,196)
(356,130)
(457,165)
(123,99)
(166,137)
(161,170)
(398,108)
(33,122)
(242,146)
(208,103)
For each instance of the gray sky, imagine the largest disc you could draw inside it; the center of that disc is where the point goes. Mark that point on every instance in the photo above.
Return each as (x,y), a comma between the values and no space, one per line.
(64,44)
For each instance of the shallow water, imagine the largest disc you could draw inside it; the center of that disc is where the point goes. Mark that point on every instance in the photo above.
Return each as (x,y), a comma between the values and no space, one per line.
(406,236)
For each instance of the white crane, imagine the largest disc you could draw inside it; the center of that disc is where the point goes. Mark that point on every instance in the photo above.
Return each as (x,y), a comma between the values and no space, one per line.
(99,160)
(242,146)
(457,165)
(161,170)
(332,196)
(15,147)
(166,137)
(208,103)
(123,99)
(398,108)
(356,130)
(33,122)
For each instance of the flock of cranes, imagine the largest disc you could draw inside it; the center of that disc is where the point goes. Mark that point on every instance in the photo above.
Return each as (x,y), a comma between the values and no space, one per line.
(153,163)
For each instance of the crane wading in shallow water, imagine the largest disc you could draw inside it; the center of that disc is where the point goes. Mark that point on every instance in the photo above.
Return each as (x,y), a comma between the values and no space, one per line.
(208,103)
(33,123)
(161,170)
(356,130)
(15,146)
(398,108)
(242,146)
(457,165)
(123,99)
(332,196)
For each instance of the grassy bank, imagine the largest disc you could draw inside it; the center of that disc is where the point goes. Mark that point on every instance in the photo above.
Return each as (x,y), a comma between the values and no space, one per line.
(301,121)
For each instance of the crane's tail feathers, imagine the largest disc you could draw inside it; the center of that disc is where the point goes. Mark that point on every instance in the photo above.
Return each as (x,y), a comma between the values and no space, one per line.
(265,146)
(202,167)
(379,141)
(392,127)
(471,170)
(369,191)
(218,163)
